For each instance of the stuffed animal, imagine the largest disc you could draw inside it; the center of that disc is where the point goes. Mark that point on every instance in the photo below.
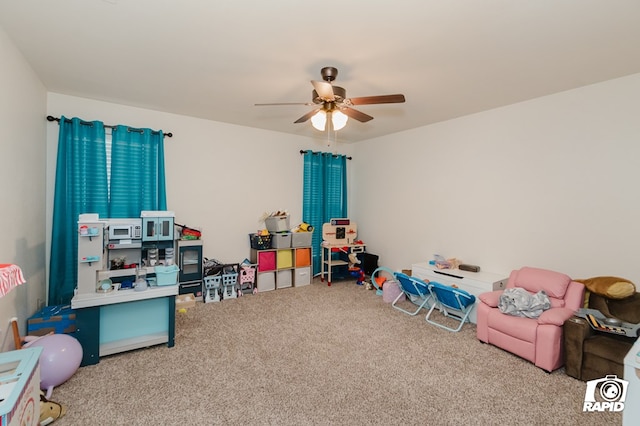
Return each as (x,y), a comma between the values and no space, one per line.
(609,287)
(50,411)
(355,270)
(353,260)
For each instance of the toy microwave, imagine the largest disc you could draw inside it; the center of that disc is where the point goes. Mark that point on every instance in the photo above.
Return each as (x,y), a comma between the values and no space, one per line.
(125,229)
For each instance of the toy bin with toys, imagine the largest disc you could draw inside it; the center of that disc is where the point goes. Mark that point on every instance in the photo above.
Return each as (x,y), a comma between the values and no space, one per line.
(277,223)
(260,241)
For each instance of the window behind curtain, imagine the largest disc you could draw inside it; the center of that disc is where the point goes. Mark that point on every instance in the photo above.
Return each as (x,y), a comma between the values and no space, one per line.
(80,187)
(324,194)
(91,178)
(137,172)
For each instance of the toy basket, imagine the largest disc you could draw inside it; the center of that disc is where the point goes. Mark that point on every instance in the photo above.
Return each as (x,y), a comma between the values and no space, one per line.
(229,279)
(166,275)
(260,242)
(212,281)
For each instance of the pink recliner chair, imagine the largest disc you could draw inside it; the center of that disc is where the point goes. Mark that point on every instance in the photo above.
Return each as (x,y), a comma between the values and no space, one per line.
(538,340)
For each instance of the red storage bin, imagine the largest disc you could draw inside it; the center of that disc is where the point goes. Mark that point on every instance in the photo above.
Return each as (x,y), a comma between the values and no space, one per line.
(266,261)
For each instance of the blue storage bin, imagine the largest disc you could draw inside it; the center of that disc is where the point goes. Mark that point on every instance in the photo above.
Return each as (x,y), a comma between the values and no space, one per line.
(166,275)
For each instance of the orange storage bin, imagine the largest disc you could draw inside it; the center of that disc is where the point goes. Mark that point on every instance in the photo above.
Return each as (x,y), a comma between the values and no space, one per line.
(303,257)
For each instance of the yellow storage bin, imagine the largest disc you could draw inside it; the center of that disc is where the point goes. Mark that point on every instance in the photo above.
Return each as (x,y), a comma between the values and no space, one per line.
(284,259)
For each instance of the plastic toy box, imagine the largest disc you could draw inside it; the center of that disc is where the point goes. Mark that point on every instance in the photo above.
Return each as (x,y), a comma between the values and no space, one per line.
(277,224)
(166,275)
(301,239)
(52,319)
(260,242)
(281,240)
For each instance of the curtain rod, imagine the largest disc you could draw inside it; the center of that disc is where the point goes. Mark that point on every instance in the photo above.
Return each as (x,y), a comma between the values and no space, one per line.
(302,152)
(50,118)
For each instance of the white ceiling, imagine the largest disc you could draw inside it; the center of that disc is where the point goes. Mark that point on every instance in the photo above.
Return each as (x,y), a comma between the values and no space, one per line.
(216,59)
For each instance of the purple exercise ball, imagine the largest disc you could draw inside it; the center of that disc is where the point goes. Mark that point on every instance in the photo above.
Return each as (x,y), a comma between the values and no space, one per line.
(61,356)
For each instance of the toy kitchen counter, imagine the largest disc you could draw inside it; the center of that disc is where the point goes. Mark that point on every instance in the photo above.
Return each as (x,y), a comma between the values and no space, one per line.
(123,320)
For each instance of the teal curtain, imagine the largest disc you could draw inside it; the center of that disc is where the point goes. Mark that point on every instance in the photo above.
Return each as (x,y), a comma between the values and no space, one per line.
(80,187)
(324,194)
(137,172)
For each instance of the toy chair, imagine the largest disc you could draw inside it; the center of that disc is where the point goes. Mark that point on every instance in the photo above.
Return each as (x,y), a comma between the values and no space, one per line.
(452,302)
(414,289)
(538,340)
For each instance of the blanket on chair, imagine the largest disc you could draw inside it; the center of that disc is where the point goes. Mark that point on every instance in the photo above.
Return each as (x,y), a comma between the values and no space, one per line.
(519,302)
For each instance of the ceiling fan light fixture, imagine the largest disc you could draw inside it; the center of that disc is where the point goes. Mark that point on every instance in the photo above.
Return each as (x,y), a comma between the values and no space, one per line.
(338,119)
(319,120)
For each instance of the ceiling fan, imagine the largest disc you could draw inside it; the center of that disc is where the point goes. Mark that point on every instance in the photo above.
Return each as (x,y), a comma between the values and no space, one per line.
(332,101)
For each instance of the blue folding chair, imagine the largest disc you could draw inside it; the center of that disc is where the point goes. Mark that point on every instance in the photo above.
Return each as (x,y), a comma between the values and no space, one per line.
(416,290)
(452,302)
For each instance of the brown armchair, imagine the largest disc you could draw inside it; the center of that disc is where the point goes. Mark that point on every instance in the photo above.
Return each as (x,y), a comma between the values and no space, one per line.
(591,354)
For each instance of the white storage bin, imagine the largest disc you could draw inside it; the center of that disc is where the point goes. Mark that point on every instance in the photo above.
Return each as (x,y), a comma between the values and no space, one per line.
(301,239)
(281,240)
(277,224)
(283,280)
(266,281)
(302,276)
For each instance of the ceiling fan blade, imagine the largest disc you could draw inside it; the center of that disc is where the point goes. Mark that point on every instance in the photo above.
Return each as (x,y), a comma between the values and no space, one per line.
(356,115)
(383,99)
(324,90)
(307,116)
(285,103)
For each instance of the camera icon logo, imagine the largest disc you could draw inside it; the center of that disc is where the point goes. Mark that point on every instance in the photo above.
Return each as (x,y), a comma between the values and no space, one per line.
(605,394)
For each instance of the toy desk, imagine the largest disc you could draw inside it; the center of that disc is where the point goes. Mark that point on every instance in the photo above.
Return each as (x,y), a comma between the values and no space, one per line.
(20,387)
(327,262)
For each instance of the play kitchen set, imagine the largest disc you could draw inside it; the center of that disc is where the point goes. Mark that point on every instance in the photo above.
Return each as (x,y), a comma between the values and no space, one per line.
(127,283)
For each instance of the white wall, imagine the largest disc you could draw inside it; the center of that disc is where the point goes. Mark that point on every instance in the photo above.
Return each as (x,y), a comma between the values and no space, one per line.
(22,179)
(552,182)
(220,178)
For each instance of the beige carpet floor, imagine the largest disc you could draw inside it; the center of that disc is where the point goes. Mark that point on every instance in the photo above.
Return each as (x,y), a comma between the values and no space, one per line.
(319,355)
